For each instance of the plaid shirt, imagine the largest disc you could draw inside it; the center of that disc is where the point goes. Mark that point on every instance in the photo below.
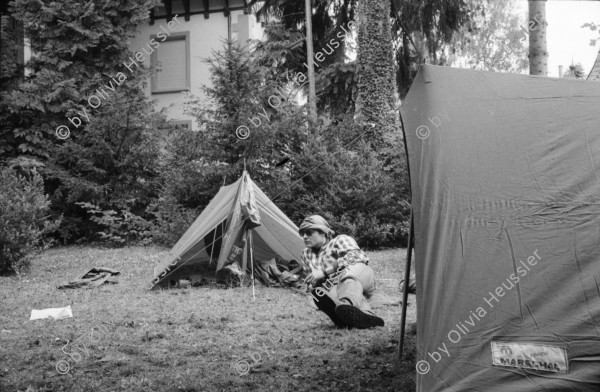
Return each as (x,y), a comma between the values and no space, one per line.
(342,250)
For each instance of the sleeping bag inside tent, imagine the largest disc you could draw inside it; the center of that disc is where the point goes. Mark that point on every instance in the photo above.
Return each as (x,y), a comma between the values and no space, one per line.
(241,228)
(505,182)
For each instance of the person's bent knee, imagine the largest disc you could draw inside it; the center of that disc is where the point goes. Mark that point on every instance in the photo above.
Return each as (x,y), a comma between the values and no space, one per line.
(348,277)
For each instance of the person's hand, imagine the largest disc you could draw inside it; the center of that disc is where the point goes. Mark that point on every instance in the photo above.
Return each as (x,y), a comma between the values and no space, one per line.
(315,277)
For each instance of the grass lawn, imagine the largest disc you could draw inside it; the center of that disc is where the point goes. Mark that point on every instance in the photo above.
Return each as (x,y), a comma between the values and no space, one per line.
(193,339)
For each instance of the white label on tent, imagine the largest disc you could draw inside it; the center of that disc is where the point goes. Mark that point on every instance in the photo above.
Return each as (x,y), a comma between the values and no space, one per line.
(530,356)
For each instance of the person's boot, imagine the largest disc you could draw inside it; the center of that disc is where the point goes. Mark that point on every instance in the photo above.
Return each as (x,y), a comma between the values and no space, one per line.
(327,305)
(354,317)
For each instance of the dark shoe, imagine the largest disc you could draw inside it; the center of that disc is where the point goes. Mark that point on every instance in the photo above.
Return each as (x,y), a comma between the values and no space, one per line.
(327,306)
(353,317)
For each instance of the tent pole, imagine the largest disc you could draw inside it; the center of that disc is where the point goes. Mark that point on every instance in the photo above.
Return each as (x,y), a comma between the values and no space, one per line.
(411,242)
(409,250)
(213,245)
(252,263)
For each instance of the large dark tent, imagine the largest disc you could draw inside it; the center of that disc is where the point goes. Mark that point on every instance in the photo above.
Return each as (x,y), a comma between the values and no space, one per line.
(505,178)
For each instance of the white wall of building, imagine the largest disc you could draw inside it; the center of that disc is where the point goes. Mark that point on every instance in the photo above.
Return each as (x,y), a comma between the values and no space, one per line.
(206,36)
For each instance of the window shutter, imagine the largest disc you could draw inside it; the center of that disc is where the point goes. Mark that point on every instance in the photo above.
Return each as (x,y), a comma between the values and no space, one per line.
(172,66)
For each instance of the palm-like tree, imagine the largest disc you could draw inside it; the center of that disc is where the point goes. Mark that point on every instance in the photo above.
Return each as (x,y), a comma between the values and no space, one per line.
(377,96)
(538,52)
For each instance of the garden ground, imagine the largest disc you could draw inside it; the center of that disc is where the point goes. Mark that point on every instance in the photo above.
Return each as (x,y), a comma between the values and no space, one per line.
(192,339)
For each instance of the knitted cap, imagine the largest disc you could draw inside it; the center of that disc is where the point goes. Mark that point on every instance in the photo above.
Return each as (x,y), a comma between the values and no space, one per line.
(315,222)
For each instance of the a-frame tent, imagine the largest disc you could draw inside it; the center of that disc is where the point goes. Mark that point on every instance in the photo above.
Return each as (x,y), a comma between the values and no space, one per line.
(505,182)
(221,235)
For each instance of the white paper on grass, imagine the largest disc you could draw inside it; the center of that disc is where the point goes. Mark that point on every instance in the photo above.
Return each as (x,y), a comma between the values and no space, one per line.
(56,313)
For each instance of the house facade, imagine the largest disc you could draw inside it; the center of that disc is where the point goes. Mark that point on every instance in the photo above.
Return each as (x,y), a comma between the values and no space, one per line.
(179,37)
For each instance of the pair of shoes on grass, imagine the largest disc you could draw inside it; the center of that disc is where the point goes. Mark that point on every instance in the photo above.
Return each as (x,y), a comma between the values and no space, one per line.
(346,315)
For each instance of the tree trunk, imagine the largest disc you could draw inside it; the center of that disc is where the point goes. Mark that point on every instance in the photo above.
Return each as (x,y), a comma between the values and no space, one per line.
(536,26)
(312,96)
(377,97)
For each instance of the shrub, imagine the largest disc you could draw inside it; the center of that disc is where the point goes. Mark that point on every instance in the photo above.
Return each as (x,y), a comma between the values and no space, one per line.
(171,220)
(166,223)
(119,227)
(111,155)
(359,190)
(23,220)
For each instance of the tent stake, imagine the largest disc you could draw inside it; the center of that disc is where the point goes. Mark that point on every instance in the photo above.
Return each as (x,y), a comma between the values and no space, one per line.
(406,282)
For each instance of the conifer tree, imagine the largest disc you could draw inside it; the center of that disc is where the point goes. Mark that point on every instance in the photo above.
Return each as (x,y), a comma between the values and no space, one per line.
(109,158)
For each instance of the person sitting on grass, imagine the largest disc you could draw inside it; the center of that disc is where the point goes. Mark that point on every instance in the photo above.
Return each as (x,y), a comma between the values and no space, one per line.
(339,275)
